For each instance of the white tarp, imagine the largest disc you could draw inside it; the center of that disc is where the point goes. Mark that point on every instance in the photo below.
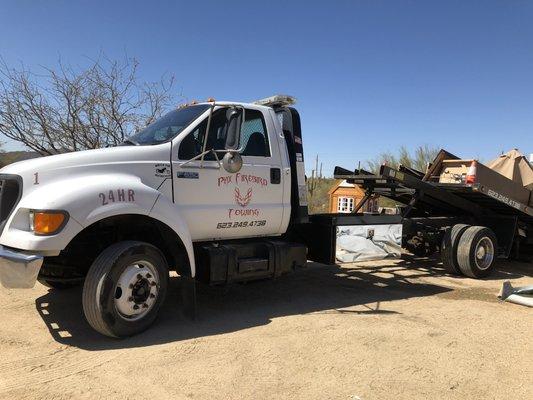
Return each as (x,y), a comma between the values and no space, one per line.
(368,242)
(519,295)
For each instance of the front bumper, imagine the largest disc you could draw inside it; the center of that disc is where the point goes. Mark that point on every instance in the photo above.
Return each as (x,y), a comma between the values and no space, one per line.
(19,269)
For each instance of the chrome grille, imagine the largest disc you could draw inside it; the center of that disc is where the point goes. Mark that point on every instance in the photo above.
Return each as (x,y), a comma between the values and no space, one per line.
(10,192)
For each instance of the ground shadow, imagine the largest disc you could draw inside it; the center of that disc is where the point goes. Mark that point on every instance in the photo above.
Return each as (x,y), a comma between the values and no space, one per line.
(314,289)
(432,266)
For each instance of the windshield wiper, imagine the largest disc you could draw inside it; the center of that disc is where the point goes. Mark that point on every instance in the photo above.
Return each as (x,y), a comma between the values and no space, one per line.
(130,141)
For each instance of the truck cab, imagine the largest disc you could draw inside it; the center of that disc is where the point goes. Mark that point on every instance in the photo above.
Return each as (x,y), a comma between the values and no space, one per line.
(253,201)
(210,190)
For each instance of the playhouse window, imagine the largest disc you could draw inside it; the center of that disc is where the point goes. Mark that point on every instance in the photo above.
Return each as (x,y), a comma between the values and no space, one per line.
(345,204)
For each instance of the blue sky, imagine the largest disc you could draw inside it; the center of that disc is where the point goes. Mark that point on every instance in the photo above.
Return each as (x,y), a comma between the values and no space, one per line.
(369,76)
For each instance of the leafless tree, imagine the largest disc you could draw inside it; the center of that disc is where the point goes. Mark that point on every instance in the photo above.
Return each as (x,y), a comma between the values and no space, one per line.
(66,109)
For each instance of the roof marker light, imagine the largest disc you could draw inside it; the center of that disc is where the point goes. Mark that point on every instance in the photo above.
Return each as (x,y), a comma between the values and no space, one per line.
(279,100)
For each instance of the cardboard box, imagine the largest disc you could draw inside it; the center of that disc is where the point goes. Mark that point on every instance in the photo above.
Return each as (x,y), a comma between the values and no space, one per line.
(454,171)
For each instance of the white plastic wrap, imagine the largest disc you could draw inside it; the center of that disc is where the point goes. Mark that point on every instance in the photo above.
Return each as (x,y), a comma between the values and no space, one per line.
(368,242)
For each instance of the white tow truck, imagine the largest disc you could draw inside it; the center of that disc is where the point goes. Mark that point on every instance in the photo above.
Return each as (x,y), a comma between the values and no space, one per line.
(216,191)
(209,190)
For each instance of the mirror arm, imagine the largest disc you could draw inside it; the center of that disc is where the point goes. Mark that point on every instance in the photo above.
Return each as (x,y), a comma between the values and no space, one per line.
(207,133)
(201,156)
(216,158)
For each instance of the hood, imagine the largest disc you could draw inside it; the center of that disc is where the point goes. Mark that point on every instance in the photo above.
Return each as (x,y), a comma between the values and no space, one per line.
(88,158)
(76,159)
(132,160)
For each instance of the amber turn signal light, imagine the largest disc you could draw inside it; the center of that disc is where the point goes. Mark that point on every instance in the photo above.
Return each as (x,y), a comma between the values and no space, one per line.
(47,222)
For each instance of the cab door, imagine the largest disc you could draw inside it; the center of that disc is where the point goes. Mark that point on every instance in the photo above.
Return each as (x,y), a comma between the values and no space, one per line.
(218,204)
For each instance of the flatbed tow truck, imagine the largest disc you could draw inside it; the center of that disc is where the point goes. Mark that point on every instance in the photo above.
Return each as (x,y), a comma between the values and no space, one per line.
(215,191)
(471,221)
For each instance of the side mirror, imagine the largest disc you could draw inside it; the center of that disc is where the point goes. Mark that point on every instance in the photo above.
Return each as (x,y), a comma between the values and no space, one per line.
(233,128)
(232,162)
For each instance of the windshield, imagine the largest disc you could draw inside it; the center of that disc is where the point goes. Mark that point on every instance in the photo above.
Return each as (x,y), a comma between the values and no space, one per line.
(168,126)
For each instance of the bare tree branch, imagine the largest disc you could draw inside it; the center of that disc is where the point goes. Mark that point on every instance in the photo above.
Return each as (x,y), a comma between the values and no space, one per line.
(68,110)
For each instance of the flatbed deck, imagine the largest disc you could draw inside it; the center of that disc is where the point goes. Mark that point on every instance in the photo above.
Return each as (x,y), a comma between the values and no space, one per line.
(431,198)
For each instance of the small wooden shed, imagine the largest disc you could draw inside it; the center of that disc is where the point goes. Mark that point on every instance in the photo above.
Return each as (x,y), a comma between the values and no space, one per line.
(344,196)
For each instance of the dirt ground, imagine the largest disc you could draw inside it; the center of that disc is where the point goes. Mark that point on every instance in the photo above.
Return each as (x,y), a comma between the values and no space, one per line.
(380,330)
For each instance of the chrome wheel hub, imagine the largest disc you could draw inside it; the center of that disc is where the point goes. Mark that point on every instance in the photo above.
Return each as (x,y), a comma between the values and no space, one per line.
(136,290)
(484,253)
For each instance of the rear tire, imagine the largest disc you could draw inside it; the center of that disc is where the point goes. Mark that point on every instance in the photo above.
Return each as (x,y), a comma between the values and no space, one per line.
(450,244)
(124,288)
(477,252)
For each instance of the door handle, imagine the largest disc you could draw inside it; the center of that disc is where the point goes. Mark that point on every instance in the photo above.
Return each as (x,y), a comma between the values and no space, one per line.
(275,176)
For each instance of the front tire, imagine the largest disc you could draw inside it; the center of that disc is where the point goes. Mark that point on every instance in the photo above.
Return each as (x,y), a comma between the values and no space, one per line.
(124,288)
(477,252)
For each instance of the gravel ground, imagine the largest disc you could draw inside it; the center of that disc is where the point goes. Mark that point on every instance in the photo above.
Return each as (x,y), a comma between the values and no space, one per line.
(379,330)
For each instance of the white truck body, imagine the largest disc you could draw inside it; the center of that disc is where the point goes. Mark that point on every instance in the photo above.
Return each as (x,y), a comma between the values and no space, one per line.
(199,200)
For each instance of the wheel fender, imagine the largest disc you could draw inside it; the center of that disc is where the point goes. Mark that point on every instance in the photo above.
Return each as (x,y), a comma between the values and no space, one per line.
(87,200)
(92,198)
(167,212)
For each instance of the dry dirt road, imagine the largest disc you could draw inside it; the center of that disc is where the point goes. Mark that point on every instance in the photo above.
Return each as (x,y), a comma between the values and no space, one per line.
(387,330)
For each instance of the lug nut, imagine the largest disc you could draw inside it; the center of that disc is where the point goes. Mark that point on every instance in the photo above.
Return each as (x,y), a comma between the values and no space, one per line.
(148,276)
(135,307)
(152,283)
(152,296)
(145,305)
(130,298)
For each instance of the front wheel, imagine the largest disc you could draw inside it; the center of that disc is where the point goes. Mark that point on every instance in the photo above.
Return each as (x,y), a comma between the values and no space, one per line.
(124,288)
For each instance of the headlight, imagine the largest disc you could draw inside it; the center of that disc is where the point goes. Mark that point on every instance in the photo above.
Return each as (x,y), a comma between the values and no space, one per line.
(47,222)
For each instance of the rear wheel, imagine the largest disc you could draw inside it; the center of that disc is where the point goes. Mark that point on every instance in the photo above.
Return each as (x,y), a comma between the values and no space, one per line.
(124,288)
(450,244)
(477,252)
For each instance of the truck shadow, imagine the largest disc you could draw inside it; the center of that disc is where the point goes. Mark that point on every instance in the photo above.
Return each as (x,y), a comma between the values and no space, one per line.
(315,289)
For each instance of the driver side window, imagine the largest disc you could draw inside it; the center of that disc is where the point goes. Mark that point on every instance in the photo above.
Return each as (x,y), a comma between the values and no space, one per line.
(253,136)
(192,145)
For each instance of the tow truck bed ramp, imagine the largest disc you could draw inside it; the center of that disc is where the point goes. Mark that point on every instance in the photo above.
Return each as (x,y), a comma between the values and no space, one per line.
(425,198)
